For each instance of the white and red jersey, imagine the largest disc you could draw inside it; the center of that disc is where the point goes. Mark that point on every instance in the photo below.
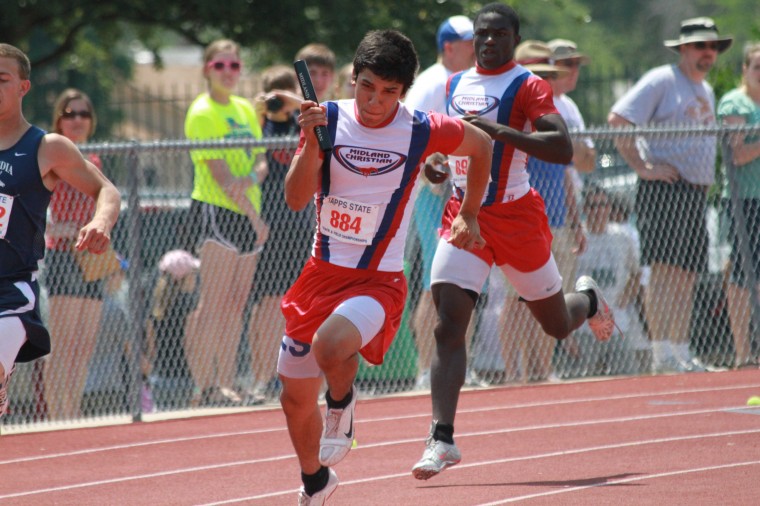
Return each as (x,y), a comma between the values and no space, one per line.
(510,95)
(369,181)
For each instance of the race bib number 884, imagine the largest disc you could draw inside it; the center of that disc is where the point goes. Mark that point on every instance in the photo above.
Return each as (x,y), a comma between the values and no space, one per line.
(348,221)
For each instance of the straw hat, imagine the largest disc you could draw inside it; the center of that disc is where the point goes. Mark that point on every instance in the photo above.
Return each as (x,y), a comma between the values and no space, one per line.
(536,56)
(699,30)
(563,49)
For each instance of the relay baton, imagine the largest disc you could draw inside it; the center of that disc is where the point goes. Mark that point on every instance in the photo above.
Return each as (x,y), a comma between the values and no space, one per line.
(307,88)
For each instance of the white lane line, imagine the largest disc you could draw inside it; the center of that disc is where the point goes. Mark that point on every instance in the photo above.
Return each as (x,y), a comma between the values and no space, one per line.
(360,421)
(128,446)
(625,480)
(397,442)
(512,460)
(74,486)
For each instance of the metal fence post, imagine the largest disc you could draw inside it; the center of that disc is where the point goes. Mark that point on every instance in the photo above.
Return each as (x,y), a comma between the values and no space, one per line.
(740,227)
(135,276)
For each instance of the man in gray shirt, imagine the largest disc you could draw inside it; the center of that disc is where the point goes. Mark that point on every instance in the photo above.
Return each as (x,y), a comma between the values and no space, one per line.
(675,173)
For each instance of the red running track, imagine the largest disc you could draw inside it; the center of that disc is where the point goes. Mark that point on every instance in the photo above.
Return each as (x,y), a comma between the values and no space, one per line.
(682,439)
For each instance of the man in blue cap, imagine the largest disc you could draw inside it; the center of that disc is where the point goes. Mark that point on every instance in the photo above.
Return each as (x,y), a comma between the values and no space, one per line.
(455,53)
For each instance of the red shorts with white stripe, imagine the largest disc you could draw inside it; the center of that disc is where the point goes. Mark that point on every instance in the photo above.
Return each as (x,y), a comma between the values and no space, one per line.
(322,286)
(517,233)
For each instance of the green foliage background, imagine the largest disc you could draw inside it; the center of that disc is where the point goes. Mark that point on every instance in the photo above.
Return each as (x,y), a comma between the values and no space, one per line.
(89,43)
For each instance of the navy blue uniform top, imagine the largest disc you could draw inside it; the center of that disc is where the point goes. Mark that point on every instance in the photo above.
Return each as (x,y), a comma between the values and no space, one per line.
(23,207)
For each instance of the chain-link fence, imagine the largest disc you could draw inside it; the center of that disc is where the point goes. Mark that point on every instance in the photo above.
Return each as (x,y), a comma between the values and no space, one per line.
(149,352)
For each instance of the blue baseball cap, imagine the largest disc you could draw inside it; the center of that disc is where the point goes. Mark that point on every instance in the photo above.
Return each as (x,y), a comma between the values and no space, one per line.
(453,29)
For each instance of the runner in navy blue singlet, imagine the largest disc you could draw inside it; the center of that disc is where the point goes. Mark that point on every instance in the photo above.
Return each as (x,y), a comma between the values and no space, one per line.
(31,164)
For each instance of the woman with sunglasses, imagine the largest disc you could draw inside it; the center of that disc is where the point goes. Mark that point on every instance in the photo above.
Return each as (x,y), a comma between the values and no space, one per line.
(75,303)
(225,227)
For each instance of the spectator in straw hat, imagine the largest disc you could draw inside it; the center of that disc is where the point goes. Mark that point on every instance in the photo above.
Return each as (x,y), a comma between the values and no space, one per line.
(536,56)
(674,175)
(565,55)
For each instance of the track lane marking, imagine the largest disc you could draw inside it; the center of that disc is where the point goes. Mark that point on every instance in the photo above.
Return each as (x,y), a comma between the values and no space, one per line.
(401,442)
(512,460)
(625,480)
(460,412)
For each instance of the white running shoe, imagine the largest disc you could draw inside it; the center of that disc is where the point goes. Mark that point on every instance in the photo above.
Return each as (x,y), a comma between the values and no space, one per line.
(691,364)
(602,324)
(338,433)
(321,497)
(423,380)
(4,402)
(436,457)
(663,357)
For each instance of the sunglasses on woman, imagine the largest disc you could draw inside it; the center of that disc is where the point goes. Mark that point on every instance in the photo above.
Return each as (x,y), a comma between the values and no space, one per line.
(69,114)
(220,65)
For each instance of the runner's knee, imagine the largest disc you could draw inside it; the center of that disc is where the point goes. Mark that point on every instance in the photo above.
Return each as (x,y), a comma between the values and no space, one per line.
(296,400)
(454,307)
(333,350)
(556,328)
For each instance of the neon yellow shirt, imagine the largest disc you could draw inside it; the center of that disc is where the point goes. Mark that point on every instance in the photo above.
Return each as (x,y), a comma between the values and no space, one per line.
(209,120)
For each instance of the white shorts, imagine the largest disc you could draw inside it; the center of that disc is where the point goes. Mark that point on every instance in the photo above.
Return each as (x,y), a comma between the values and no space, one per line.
(297,361)
(467,271)
(566,260)
(12,338)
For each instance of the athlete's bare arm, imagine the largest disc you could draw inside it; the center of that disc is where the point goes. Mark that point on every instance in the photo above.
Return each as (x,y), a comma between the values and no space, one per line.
(236,189)
(626,146)
(302,180)
(465,232)
(550,142)
(60,160)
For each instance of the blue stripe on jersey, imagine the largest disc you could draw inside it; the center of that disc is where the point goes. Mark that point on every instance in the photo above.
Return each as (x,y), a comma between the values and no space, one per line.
(455,78)
(417,146)
(503,116)
(323,241)
(452,86)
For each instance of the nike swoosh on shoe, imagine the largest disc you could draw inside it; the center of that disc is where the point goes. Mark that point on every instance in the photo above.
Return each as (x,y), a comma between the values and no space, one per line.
(350,434)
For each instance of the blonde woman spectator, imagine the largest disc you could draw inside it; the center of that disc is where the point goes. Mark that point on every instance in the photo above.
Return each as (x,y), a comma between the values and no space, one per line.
(76,303)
